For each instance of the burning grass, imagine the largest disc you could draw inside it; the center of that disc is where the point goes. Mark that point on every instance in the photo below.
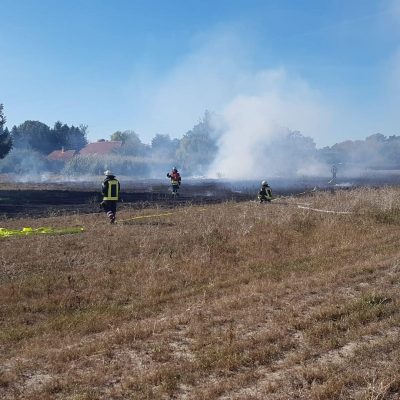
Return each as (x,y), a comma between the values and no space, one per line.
(228,301)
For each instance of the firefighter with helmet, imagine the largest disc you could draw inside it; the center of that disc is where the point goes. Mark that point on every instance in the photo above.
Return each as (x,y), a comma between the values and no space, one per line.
(265,193)
(176,179)
(110,189)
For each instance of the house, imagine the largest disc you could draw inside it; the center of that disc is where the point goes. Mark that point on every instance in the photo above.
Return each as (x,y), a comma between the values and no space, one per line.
(61,155)
(100,147)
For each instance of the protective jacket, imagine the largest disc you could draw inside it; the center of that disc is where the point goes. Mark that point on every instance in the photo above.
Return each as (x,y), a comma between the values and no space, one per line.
(110,189)
(265,193)
(175,178)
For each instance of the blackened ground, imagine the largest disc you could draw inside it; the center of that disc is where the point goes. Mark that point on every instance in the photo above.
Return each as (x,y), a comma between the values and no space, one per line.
(53,199)
(44,199)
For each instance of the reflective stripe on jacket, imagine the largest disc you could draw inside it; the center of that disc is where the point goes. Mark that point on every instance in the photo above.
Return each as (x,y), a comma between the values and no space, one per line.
(112,190)
(265,192)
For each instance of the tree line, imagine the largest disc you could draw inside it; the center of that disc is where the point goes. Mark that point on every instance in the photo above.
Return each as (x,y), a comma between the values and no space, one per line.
(5,137)
(39,137)
(23,149)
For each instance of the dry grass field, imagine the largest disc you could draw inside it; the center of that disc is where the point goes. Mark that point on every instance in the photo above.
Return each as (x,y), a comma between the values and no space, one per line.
(228,301)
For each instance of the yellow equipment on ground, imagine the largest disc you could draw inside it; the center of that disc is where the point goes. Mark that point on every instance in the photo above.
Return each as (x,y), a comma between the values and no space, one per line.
(27,231)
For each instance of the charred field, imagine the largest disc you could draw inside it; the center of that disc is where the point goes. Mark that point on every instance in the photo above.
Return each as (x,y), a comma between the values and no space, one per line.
(51,198)
(203,299)
(43,199)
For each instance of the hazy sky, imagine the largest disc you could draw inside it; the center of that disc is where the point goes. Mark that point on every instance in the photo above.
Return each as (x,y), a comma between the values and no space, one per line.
(329,68)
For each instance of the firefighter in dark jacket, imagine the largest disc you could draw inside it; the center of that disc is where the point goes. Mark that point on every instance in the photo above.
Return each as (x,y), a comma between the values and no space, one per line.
(111,191)
(265,193)
(175,181)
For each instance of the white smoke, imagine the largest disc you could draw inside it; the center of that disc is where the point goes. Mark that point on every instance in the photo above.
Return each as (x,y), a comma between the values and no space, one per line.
(205,78)
(256,104)
(276,104)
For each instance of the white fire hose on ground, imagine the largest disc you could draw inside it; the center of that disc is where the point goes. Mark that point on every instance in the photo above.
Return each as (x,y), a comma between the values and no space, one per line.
(306,206)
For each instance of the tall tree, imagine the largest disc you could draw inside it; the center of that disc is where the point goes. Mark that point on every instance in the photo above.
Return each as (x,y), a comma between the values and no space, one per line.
(163,146)
(375,151)
(70,138)
(35,135)
(132,145)
(198,146)
(5,137)
(38,136)
(123,137)
(288,152)
(77,137)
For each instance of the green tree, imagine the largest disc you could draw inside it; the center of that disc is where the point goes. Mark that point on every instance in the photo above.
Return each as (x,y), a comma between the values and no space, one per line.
(38,136)
(71,138)
(132,145)
(287,153)
(123,137)
(393,151)
(198,147)
(5,137)
(162,146)
(35,135)
(375,151)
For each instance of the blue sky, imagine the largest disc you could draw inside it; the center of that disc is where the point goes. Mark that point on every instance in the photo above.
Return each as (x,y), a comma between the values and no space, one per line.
(329,68)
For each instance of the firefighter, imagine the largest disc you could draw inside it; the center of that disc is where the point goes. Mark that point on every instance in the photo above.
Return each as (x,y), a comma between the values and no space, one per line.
(111,191)
(334,172)
(265,193)
(175,181)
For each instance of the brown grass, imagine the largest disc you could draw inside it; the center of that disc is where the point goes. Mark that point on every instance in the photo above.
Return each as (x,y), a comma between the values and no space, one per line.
(229,301)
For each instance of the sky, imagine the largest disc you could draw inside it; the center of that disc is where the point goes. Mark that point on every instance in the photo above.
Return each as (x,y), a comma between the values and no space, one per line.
(329,69)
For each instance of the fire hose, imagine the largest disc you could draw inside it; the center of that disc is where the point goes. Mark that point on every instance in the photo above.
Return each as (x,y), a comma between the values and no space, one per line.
(306,206)
(28,231)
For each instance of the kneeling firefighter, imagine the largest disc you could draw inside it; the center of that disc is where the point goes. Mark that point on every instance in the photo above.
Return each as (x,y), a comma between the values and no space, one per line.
(265,193)
(111,191)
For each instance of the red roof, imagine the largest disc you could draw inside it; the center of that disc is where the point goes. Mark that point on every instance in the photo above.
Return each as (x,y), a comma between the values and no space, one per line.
(61,155)
(105,147)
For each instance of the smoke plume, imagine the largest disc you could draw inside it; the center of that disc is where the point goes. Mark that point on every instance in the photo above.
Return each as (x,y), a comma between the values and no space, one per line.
(257,105)
(261,126)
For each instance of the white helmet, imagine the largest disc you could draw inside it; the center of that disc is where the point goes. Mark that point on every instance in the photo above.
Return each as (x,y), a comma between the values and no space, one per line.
(264,183)
(108,173)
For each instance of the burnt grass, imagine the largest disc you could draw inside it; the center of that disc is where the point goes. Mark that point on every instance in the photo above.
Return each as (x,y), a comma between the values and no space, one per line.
(46,199)
(43,199)
(76,197)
